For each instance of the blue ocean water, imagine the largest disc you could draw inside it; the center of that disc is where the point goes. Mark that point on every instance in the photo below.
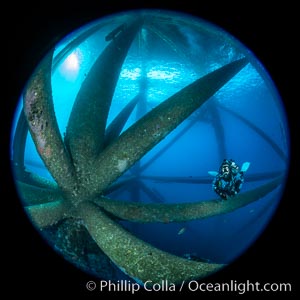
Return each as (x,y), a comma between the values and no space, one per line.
(245,121)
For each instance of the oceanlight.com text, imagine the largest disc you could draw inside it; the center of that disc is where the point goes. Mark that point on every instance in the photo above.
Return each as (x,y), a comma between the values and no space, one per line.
(239,287)
(192,286)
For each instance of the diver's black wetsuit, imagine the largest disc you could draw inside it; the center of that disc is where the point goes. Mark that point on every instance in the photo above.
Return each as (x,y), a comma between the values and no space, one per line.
(229,180)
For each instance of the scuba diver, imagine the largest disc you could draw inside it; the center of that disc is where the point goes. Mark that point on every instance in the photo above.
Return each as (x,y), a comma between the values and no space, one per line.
(230,178)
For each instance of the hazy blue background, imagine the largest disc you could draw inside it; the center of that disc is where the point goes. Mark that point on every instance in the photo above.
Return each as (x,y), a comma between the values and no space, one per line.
(212,133)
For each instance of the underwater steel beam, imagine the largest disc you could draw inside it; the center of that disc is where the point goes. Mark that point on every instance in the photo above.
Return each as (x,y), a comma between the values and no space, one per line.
(208,179)
(170,42)
(40,115)
(47,214)
(19,142)
(181,212)
(137,258)
(86,127)
(142,136)
(260,132)
(28,177)
(116,126)
(38,181)
(219,132)
(153,194)
(166,147)
(120,184)
(63,54)
(32,195)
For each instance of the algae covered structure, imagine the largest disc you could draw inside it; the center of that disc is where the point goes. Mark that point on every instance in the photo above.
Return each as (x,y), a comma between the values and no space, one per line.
(103,107)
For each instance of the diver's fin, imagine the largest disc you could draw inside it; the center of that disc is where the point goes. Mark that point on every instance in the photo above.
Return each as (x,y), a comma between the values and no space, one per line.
(213,173)
(245,166)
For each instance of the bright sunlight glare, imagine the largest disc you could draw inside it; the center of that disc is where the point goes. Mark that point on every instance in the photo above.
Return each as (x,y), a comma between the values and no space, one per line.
(71,65)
